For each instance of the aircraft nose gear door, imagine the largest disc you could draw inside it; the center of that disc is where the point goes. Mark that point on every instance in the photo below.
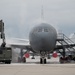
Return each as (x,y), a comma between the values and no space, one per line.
(43,58)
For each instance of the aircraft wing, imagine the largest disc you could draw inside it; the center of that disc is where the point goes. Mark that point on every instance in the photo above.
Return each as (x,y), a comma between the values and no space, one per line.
(19,43)
(21,46)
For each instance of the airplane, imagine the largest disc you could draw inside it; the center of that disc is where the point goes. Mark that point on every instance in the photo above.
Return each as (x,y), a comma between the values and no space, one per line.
(43,41)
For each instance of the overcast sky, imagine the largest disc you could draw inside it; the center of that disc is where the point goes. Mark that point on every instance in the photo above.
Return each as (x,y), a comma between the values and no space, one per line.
(20,16)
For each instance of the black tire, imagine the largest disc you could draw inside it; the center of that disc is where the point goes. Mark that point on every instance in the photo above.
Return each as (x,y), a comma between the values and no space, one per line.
(44,61)
(74,58)
(8,62)
(41,61)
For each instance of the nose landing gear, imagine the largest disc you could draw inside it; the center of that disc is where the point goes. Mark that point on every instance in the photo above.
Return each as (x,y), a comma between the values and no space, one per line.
(43,61)
(43,58)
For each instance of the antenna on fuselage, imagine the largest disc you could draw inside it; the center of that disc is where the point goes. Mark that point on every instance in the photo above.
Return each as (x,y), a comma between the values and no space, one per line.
(42,11)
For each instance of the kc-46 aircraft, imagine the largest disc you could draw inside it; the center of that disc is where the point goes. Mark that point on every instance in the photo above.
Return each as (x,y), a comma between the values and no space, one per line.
(43,41)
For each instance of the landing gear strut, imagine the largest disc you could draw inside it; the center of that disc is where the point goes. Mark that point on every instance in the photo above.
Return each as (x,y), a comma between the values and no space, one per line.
(33,57)
(48,56)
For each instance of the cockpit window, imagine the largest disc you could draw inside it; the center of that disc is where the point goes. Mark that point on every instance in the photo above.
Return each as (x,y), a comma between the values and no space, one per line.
(40,30)
(45,30)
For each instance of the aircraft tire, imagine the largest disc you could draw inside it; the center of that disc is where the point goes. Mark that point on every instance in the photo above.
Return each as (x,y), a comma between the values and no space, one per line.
(44,61)
(74,58)
(41,61)
(8,62)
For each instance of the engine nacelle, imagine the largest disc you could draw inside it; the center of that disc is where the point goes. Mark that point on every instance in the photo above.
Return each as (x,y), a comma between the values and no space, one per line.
(55,55)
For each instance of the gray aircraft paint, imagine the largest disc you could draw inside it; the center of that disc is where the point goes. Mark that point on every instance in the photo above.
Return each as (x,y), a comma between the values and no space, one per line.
(43,37)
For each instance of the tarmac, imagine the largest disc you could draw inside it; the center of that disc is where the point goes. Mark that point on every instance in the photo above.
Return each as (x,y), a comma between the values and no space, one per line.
(53,67)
